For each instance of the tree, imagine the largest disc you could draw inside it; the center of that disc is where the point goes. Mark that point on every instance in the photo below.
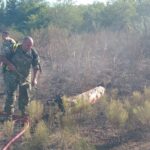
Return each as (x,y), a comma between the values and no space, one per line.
(143,15)
(25,14)
(118,15)
(36,15)
(91,17)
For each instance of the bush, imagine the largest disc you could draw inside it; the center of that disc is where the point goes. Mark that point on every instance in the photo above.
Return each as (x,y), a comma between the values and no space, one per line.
(35,110)
(8,128)
(69,140)
(137,98)
(39,140)
(116,113)
(142,113)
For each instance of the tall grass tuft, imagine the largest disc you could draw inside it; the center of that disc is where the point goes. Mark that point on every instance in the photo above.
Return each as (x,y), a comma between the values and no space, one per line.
(68,139)
(116,113)
(35,110)
(8,128)
(39,140)
(142,113)
(137,98)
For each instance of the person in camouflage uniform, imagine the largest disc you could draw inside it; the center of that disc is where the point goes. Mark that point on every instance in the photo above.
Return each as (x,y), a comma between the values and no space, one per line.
(23,59)
(6,48)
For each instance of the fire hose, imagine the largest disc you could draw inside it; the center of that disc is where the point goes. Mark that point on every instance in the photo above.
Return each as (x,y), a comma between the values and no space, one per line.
(25,121)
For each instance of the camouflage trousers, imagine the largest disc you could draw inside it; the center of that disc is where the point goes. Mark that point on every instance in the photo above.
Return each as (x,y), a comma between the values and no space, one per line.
(12,84)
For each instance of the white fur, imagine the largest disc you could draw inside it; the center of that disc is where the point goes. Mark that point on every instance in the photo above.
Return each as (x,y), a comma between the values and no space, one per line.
(91,96)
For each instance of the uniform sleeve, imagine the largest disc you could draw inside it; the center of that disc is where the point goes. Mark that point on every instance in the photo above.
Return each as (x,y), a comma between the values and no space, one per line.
(7,48)
(36,60)
(2,50)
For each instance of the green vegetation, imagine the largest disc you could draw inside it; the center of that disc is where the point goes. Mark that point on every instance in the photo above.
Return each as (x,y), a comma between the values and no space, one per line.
(35,110)
(8,128)
(34,14)
(133,112)
(80,46)
(116,113)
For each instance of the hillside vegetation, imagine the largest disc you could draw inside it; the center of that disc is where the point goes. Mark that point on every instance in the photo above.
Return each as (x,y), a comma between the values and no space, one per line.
(108,124)
(81,46)
(84,45)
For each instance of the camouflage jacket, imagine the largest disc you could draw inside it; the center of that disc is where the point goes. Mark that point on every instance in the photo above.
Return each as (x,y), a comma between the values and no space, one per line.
(24,62)
(7,48)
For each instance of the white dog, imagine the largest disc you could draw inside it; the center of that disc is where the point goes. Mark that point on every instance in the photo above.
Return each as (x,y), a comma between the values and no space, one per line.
(91,96)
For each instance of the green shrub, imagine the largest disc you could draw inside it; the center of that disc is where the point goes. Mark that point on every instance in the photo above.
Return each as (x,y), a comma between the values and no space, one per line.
(35,110)
(8,128)
(39,139)
(69,140)
(116,113)
(137,98)
(142,113)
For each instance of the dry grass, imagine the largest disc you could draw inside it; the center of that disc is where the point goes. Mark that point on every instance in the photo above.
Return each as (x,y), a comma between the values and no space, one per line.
(8,129)
(75,130)
(35,110)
